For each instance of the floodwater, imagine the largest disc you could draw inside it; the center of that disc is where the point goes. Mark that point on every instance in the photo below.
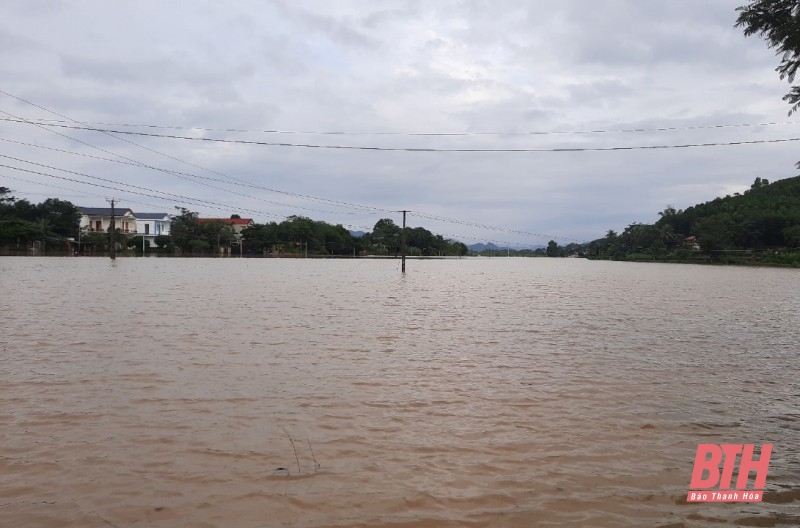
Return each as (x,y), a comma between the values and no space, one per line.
(319,393)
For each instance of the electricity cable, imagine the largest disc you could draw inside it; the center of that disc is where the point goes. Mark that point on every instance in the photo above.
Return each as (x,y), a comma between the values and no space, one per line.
(420,149)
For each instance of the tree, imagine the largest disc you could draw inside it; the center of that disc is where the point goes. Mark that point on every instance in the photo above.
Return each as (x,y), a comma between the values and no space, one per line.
(198,245)
(17,232)
(386,233)
(420,238)
(22,222)
(216,233)
(552,249)
(778,22)
(62,215)
(5,196)
(301,231)
(792,236)
(714,235)
(260,237)
(184,228)
(163,241)
(667,236)
(44,231)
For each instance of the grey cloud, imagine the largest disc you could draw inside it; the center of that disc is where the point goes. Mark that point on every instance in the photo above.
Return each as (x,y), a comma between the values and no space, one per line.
(394,66)
(337,29)
(13,42)
(182,70)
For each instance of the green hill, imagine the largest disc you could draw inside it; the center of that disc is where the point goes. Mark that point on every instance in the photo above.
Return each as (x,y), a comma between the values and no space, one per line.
(761,225)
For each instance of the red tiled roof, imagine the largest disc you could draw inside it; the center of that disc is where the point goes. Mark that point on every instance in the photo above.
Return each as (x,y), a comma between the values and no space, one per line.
(230,221)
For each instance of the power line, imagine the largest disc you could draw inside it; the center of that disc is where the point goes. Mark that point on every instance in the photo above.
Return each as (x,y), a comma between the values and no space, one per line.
(246,184)
(175,197)
(179,174)
(418,149)
(83,194)
(485,226)
(446,236)
(332,202)
(427,134)
(181,197)
(185,176)
(167,196)
(226,208)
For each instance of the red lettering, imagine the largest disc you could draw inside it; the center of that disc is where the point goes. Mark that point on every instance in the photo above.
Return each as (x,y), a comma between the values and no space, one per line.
(760,466)
(730,450)
(711,464)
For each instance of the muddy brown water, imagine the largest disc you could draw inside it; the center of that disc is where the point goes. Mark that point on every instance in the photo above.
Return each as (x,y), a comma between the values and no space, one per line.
(307,393)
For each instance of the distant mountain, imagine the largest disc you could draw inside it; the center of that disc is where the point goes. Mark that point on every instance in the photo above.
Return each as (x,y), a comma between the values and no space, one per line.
(537,246)
(480,247)
(357,234)
(483,247)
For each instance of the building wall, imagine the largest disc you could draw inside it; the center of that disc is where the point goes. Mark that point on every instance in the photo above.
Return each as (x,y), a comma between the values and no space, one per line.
(94,224)
(152,228)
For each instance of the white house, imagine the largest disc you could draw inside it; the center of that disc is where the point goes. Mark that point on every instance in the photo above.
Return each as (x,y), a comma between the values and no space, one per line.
(151,225)
(98,220)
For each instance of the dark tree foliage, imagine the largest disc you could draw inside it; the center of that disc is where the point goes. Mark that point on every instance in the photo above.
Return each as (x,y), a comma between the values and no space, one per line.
(62,215)
(298,233)
(5,196)
(184,228)
(754,220)
(50,222)
(190,235)
(767,216)
(778,22)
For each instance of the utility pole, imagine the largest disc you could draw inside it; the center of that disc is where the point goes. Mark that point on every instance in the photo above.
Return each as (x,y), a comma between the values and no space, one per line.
(403,241)
(113,231)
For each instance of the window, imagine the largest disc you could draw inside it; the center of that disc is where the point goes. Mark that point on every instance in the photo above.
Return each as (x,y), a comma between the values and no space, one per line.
(147,229)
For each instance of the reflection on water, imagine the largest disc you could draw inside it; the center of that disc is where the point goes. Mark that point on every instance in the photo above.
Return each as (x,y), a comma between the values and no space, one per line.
(475,392)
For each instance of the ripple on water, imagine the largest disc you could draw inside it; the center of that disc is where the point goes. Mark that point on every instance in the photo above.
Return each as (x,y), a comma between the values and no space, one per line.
(502,392)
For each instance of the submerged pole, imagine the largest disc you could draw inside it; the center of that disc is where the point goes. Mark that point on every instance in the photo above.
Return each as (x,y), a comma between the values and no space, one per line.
(113,232)
(403,238)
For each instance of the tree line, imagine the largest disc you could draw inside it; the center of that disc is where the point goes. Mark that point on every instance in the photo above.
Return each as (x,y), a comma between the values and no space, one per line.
(301,234)
(763,221)
(47,224)
(53,222)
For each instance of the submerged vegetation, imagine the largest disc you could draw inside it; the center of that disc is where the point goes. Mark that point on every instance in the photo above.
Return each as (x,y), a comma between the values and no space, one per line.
(46,225)
(298,233)
(758,227)
(53,225)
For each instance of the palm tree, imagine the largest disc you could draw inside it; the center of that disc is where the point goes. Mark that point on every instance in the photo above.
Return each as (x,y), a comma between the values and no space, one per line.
(44,232)
(667,236)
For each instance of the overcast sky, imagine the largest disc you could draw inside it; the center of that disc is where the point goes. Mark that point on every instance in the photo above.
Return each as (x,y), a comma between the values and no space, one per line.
(388,74)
